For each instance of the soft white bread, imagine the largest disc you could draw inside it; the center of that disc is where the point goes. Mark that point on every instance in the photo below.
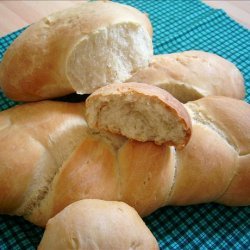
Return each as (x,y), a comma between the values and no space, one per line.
(214,165)
(140,112)
(191,75)
(76,50)
(97,224)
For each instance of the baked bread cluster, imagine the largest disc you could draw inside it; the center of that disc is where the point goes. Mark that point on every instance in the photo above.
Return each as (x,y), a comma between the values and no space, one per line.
(154,131)
(77,50)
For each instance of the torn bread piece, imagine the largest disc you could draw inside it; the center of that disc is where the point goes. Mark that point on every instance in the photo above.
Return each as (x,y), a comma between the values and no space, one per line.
(140,112)
(77,50)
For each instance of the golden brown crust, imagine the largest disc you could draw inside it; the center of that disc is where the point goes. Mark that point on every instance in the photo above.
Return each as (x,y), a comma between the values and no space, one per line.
(238,192)
(148,178)
(97,224)
(204,168)
(140,174)
(230,116)
(190,75)
(33,68)
(229,119)
(32,149)
(53,137)
(16,171)
(75,181)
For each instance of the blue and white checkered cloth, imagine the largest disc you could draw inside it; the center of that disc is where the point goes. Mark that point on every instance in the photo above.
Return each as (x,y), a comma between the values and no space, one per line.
(178,25)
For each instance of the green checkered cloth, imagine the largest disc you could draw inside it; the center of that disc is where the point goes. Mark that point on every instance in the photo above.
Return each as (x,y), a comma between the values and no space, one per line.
(178,25)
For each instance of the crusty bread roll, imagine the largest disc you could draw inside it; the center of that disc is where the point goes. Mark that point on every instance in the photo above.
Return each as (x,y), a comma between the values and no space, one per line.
(76,50)
(49,132)
(230,119)
(97,224)
(191,75)
(38,179)
(140,112)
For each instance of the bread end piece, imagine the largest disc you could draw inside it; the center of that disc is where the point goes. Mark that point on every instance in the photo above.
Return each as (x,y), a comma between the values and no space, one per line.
(77,50)
(97,224)
(140,112)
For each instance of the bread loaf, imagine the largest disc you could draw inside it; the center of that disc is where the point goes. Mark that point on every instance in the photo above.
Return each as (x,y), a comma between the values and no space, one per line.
(76,50)
(216,160)
(97,224)
(191,75)
(35,140)
(38,179)
(140,112)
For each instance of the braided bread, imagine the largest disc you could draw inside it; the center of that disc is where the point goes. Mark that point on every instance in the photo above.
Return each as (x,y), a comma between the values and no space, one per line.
(191,75)
(50,158)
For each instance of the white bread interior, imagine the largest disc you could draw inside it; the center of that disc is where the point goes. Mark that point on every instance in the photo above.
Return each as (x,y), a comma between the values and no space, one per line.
(108,55)
(140,112)
(77,50)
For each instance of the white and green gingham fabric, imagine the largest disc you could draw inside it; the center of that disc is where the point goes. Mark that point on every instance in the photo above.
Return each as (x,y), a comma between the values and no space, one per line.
(178,25)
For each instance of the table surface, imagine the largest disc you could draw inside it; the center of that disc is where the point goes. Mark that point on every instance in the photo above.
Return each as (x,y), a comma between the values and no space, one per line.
(17,14)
